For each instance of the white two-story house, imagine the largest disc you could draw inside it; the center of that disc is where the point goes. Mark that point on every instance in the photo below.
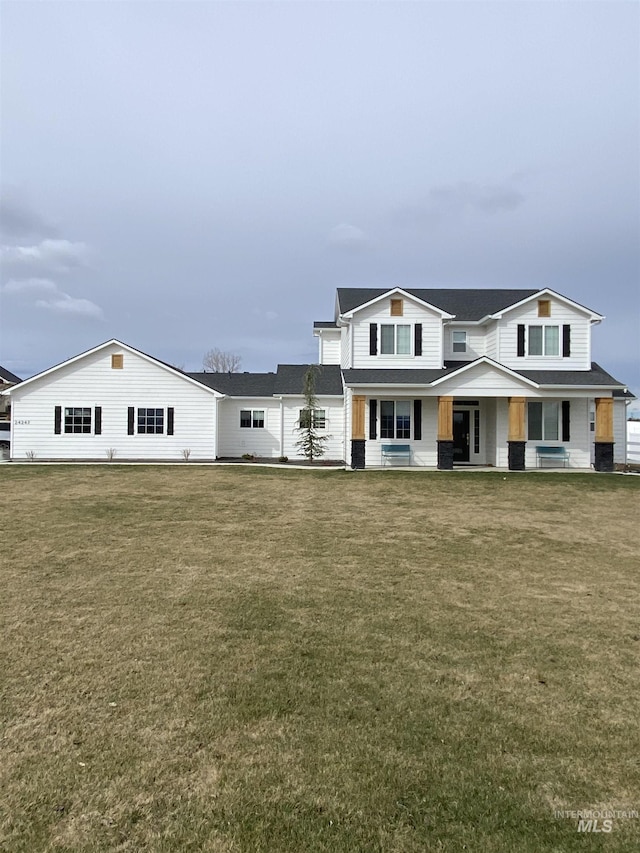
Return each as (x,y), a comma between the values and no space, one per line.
(485,377)
(431,378)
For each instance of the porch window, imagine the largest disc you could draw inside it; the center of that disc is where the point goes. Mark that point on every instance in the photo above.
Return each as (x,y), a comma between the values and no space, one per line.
(542,421)
(544,340)
(395,419)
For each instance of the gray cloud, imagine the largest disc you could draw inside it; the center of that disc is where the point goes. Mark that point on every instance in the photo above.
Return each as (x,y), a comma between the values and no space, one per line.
(62,303)
(48,256)
(348,237)
(18,220)
(455,200)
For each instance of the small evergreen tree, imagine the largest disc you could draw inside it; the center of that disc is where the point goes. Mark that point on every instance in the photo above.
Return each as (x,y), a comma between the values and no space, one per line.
(311,442)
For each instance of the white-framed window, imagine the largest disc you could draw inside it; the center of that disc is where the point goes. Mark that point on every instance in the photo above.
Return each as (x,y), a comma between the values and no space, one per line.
(395,419)
(77,419)
(543,420)
(150,421)
(252,418)
(319,418)
(459,341)
(544,340)
(395,339)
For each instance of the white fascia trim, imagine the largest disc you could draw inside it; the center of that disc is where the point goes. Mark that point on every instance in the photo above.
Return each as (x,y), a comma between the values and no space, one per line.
(594,317)
(396,291)
(121,345)
(491,363)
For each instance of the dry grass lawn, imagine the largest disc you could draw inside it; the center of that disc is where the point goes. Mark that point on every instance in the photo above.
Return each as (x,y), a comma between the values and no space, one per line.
(244,659)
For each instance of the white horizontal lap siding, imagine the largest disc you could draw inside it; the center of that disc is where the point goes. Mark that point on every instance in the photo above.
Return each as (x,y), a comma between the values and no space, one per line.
(330,347)
(334,413)
(235,440)
(345,347)
(482,380)
(561,314)
(579,443)
(380,313)
(491,341)
(476,343)
(91,382)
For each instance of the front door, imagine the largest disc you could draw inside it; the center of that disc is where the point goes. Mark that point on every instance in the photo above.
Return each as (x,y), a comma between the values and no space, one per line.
(460,435)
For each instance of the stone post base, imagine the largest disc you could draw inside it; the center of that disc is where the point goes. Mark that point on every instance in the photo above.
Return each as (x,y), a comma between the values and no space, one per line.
(357,453)
(603,456)
(516,455)
(445,455)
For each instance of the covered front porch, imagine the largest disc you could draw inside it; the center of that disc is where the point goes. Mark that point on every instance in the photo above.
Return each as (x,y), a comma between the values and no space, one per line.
(517,433)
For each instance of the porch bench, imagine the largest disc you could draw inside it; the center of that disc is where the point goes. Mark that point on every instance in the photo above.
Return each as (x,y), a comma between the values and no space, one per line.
(556,454)
(395,451)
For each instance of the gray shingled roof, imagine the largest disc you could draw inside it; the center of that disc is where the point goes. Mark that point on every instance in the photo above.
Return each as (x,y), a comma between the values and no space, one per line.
(8,377)
(465,303)
(379,376)
(596,376)
(238,384)
(290,379)
(325,324)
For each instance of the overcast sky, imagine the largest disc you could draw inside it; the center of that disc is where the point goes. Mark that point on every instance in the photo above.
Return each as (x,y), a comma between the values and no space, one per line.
(186,175)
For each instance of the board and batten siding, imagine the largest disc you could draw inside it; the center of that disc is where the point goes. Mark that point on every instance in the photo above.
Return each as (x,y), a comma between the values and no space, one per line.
(91,381)
(620,432)
(380,312)
(561,315)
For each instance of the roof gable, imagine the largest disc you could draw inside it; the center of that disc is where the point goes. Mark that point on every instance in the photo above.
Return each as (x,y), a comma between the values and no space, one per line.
(113,342)
(463,304)
(395,291)
(547,292)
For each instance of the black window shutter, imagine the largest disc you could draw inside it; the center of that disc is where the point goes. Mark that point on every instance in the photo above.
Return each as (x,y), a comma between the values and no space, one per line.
(566,341)
(566,420)
(373,339)
(373,417)
(57,420)
(97,420)
(170,420)
(417,336)
(417,420)
(130,422)
(520,339)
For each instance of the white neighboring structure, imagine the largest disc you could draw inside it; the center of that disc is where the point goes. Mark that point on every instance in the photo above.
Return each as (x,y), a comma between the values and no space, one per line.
(431,378)
(633,442)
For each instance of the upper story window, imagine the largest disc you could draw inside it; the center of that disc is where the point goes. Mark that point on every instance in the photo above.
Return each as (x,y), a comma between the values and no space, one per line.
(395,340)
(544,340)
(392,339)
(459,341)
